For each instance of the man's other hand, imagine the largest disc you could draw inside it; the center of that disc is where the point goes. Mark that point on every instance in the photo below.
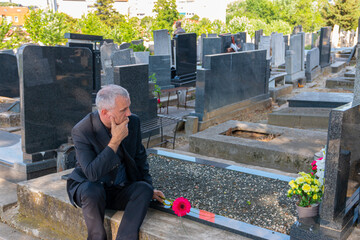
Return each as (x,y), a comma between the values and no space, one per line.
(158,195)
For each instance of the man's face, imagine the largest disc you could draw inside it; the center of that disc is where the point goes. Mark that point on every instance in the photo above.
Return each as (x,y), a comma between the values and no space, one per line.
(121,111)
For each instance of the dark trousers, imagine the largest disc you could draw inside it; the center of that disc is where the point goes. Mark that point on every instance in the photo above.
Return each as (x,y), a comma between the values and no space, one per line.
(134,199)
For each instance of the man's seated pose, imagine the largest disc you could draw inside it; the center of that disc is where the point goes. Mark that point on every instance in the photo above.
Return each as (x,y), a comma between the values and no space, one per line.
(112,169)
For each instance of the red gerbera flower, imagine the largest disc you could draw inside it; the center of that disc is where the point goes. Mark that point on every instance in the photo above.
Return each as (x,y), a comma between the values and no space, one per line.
(181,206)
(158,101)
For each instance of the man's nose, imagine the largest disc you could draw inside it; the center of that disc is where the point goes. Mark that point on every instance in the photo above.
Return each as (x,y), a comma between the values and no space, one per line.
(128,112)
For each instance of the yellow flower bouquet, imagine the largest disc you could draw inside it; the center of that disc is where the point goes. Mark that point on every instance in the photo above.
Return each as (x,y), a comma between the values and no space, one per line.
(307,188)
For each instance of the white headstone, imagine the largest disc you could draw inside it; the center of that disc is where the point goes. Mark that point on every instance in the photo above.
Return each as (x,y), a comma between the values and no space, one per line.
(335,36)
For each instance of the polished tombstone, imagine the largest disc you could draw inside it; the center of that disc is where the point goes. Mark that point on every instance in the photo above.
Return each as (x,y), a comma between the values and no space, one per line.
(230,78)
(159,65)
(185,59)
(117,58)
(56,86)
(258,33)
(210,45)
(277,49)
(162,42)
(325,46)
(135,78)
(106,51)
(242,40)
(226,41)
(340,204)
(312,68)
(294,63)
(142,57)
(9,76)
(93,43)
(265,44)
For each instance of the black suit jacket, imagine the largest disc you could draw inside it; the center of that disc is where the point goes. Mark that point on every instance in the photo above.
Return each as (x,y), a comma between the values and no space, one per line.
(97,162)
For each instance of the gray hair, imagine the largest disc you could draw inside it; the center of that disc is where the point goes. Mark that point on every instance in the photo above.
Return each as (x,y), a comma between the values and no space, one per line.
(105,98)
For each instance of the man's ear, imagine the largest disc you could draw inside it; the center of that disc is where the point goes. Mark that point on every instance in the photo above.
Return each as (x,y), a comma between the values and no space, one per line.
(104,112)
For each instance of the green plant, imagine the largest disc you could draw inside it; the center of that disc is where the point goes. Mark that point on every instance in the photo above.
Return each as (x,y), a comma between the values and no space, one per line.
(157,89)
(138,48)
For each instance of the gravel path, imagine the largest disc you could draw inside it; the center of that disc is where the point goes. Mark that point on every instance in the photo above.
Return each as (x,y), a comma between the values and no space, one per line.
(248,198)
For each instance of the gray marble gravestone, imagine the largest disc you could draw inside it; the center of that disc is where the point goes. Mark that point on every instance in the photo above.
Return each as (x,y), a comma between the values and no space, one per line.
(185,59)
(340,205)
(106,50)
(294,63)
(135,78)
(162,42)
(211,45)
(356,100)
(9,77)
(248,47)
(312,68)
(277,49)
(124,46)
(325,46)
(142,57)
(265,44)
(159,64)
(230,78)
(117,58)
(56,86)
(258,33)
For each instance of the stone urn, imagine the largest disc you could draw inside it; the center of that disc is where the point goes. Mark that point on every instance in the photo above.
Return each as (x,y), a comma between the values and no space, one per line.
(309,211)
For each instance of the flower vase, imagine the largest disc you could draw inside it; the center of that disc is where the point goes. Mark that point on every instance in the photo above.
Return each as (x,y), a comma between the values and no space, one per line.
(306,212)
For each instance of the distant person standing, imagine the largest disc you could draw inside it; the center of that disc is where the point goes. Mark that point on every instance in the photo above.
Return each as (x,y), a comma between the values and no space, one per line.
(178,30)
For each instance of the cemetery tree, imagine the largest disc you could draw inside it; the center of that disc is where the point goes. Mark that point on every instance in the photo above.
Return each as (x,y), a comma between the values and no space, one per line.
(104,8)
(46,27)
(344,13)
(166,14)
(92,25)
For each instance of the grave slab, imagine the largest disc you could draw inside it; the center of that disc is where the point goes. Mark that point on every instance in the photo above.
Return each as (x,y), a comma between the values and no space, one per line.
(290,150)
(337,67)
(320,99)
(340,83)
(313,118)
(56,85)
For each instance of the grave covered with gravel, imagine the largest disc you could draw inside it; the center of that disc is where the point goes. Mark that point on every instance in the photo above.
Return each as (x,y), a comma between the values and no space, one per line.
(244,197)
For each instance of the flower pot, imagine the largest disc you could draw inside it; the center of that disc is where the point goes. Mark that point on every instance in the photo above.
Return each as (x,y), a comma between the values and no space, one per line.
(310,211)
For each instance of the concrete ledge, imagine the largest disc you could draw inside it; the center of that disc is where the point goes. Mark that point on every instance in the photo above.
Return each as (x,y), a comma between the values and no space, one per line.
(235,110)
(310,76)
(46,212)
(313,118)
(340,83)
(8,197)
(275,93)
(291,150)
(337,66)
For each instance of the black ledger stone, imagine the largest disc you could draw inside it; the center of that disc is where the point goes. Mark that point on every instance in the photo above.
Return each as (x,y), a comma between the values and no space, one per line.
(9,76)
(56,86)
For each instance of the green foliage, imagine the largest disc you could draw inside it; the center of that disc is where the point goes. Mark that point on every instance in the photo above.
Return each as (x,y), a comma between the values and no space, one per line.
(166,14)
(195,17)
(126,31)
(91,24)
(157,89)
(218,27)
(138,48)
(344,13)
(46,27)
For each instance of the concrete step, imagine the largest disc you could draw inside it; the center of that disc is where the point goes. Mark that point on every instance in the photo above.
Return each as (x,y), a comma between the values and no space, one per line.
(340,83)
(8,196)
(44,210)
(9,233)
(337,66)
(308,118)
(277,92)
(350,74)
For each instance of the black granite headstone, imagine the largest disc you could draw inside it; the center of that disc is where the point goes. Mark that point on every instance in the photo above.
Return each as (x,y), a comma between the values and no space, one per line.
(242,36)
(135,78)
(226,41)
(258,33)
(185,45)
(9,76)
(229,78)
(325,46)
(56,86)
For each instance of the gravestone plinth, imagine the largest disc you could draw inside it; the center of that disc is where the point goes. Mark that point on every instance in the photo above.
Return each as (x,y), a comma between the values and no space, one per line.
(185,60)
(325,46)
(210,45)
(135,79)
(56,86)
(312,68)
(160,65)
(9,77)
(340,204)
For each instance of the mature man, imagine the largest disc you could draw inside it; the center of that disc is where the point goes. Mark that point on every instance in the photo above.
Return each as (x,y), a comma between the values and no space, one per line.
(178,29)
(112,169)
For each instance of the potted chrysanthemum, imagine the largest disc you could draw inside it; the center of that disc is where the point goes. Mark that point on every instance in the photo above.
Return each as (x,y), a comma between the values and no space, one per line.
(309,189)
